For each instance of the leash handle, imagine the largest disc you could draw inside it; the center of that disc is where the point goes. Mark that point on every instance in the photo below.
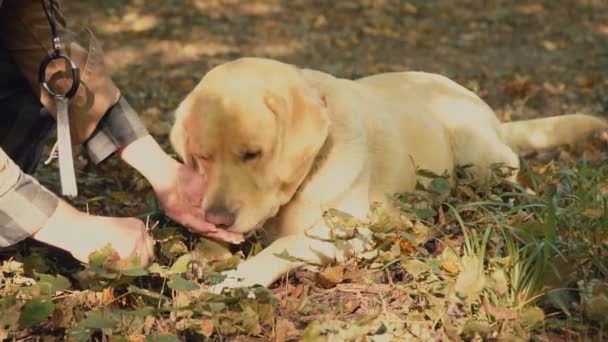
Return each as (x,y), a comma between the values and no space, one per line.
(67,174)
(56,55)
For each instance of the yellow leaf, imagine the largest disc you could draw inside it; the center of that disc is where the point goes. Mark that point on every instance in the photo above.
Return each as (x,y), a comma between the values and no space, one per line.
(498,282)
(331,276)
(593,213)
(450,266)
(471,281)
(449,261)
(549,45)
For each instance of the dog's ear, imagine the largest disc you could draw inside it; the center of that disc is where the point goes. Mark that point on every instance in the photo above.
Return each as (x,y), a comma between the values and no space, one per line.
(303,127)
(178,136)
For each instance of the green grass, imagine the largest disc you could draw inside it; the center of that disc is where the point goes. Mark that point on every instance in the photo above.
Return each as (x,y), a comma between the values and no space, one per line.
(500,261)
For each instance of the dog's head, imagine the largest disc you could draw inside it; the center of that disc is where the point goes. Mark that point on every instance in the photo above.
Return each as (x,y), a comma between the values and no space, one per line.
(253,127)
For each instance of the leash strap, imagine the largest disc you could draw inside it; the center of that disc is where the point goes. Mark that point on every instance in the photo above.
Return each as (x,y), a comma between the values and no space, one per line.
(67,174)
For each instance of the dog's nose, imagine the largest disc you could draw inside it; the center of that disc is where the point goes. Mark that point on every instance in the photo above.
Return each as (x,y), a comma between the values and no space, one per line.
(220,217)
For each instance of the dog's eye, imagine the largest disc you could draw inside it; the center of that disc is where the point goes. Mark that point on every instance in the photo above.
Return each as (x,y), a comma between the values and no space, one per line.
(251,155)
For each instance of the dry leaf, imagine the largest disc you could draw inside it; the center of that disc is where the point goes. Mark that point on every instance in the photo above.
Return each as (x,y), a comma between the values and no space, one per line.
(416,267)
(331,276)
(107,295)
(409,8)
(554,89)
(498,282)
(593,213)
(532,316)
(449,261)
(535,8)
(284,330)
(499,312)
(421,232)
(471,281)
(404,247)
(549,45)
(450,266)
(206,327)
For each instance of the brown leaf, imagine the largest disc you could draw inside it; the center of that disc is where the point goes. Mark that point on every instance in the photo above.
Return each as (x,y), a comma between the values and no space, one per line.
(593,213)
(107,295)
(284,330)
(554,89)
(409,8)
(587,82)
(404,245)
(550,45)
(206,327)
(535,8)
(520,86)
(331,276)
(602,29)
(499,313)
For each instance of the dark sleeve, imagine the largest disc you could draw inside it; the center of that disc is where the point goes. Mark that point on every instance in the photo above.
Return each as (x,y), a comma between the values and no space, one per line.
(25,205)
(120,126)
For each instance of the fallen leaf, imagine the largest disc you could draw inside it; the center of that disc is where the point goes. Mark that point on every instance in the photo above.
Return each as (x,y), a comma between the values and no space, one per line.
(421,232)
(331,276)
(211,250)
(474,327)
(534,8)
(206,327)
(409,8)
(499,312)
(549,45)
(416,267)
(593,213)
(532,316)
(107,295)
(554,89)
(498,282)
(284,330)
(471,280)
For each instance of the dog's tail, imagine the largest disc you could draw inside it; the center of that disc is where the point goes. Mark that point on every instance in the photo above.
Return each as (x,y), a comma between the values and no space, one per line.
(544,133)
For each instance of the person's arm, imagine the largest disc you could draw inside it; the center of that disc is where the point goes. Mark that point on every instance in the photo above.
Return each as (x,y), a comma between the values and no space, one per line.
(99,117)
(25,205)
(27,209)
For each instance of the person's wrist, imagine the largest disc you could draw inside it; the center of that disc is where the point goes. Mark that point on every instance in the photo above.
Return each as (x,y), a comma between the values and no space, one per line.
(148,158)
(56,230)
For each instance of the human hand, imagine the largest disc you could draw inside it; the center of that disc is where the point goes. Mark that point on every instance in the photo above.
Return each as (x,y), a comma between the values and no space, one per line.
(179,188)
(81,234)
(181,198)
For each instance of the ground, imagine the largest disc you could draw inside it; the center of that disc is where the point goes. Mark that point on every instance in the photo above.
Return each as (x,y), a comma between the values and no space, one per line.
(456,272)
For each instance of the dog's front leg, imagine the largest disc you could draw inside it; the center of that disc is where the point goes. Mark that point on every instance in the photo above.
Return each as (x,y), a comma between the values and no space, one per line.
(282,256)
(312,245)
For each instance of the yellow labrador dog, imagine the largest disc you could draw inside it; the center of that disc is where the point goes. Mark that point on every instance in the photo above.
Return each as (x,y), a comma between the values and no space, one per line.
(282,143)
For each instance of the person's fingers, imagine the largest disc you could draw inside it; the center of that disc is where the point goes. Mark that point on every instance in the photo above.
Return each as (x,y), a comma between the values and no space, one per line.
(227,236)
(198,225)
(144,245)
